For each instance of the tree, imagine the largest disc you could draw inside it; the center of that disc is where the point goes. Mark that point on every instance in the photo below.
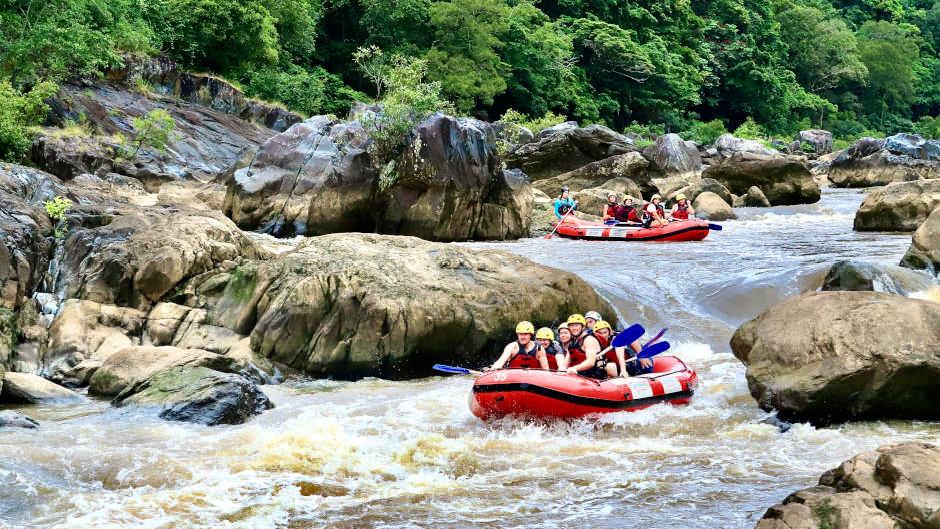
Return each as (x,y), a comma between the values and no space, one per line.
(154,129)
(19,111)
(823,51)
(465,56)
(889,52)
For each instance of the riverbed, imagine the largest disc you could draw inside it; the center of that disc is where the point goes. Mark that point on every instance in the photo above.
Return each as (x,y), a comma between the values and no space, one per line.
(403,455)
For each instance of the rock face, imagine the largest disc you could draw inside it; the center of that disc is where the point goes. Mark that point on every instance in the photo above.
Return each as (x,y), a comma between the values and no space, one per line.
(674,163)
(631,165)
(198,395)
(32,389)
(820,141)
(924,252)
(901,206)
(785,180)
(861,276)
(710,206)
(893,486)
(215,124)
(352,305)
(318,178)
(122,368)
(900,158)
(835,356)
(565,148)
(728,145)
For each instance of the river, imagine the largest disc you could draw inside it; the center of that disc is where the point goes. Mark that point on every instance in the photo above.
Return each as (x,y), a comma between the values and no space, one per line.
(403,455)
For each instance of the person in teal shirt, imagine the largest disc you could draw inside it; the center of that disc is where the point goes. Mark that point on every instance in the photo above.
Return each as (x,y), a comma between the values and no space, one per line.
(564,203)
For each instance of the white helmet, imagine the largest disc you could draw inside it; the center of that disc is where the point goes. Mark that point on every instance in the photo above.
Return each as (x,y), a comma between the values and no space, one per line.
(594,315)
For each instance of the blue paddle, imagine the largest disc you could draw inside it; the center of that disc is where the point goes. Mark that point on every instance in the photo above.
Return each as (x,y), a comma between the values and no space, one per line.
(454,370)
(628,335)
(657,337)
(715,227)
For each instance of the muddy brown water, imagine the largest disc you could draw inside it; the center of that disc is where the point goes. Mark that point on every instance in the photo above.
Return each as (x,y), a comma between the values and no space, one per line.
(404,455)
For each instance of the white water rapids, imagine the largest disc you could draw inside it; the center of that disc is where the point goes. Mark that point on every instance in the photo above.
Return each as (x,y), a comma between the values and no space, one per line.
(410,455)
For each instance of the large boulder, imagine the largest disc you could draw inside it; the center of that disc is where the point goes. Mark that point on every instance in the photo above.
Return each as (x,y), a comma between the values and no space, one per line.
(630,165)
(353,305)
(728,145)
(565,148)
(901,206)
(862,276)
(835,356)
(198,395)
(594,200)
(710,206)
(785,180)
(870,162)
(924,252)
(32,389)
(893,486)
(701,186)
(674,163)
(820,141)
(318,177)
(138,363)
(214,125)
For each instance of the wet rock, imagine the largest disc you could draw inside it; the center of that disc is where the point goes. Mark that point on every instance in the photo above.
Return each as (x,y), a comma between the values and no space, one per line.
(893,486)
(318,178)
(861,276)
(728,145)
(566,147)
(710,206)
(785,180)
(354,305)
(32,389)
(901,206)
(924,252)
(829,357)
(122,368)
(870,162)
(198,395)
(631,165)
(820,141)
(913,145)
(755,198)
(15,419)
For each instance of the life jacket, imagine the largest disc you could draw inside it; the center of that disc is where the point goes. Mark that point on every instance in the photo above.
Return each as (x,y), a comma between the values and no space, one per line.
(553,349)
(613,210)
(681,212)
(628,214)
(526,359)
(660,209)
(576,350)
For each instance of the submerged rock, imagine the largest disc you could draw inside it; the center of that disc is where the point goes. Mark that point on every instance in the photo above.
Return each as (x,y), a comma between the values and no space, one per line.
(198,395)
(32,389)
(829,357)
(861,276)
(893,486)
(924,252)
(901,206)
(15,419)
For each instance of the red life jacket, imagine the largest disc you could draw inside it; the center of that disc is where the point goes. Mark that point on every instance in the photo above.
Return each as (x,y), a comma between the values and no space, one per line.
(628,214)
(526,359)
(681,212)
(577,354)
(612,210)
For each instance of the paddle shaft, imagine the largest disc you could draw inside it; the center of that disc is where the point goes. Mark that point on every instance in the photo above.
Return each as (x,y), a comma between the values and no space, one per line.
(563,217)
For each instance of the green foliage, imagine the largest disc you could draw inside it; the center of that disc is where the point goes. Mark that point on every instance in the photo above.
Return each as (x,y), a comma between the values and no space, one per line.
(750,130)
(549,119)
(19,111)
(57,208)
(409,99)
(889,52)
(311,92)
(928,127)
(705,132)
(154,130)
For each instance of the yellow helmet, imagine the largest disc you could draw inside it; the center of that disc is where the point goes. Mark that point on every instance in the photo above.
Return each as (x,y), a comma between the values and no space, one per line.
(545,334)
(576,318)
(525,327)
(602,325)
(681,196)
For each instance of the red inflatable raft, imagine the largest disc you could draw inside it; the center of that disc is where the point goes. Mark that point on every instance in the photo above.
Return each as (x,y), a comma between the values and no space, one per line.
(539,393)
(681,230)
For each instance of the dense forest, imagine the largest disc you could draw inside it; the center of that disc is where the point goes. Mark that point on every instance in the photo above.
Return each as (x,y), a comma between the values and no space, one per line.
(855,67)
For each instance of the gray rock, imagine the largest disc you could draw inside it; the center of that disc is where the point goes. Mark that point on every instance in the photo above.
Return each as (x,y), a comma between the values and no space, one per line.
(197,395)
(870,162)
(924,252)
(710,206)
(15,419)
(671,156)
(755,198)
(785,180)
(899,206)
(565,148)
(861,276)
(728,145)
(32,389)
(819,140)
